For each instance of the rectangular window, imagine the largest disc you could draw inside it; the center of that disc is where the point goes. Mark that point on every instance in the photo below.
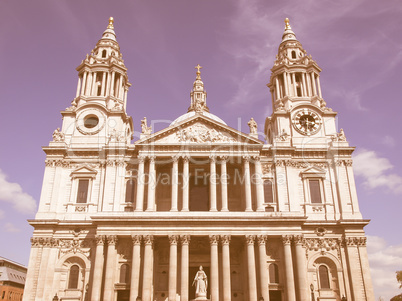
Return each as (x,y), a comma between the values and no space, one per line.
(268,193)
(315,193)
(82,194)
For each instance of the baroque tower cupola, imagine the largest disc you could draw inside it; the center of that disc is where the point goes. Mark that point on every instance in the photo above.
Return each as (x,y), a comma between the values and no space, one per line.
(295,75)
(97,114)
(198,94)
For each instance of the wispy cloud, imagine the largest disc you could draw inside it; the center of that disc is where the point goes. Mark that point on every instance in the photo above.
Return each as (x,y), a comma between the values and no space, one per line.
(384,260)
(375,171)
(12,193)
(9,227)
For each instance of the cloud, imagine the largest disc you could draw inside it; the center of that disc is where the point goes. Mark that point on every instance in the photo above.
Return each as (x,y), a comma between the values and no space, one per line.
(384,261)
(389,141)
(12,193)
(9,227)
(375,171)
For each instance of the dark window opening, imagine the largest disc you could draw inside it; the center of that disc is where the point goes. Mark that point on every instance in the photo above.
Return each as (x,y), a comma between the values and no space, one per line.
(104,53)
(82,194)
(315,192)
(293,54)
(130,191)
(268,193)
(324,276)
(273,273)
(73,277)
(124,274)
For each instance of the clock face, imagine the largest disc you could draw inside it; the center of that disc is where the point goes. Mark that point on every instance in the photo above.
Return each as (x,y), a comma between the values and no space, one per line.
(306,122)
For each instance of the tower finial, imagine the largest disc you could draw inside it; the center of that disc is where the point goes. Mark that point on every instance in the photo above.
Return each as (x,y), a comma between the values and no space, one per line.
(287,24)
(198,67)
(110,26)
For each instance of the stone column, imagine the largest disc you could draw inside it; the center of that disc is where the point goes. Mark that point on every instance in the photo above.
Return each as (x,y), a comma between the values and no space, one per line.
(294,84)
(185,241)
(135,267)
(112,84)
(313,82)
(247,183)
(285,82)
(304,85)
(36,248)
(148,269)
(264,277)
(252,278)
(108,84)
(260,184)
(289,84)
(361,246)
(47,242)
(224,184)
(225,239)
(139,202)
(212,183)
(290,282)
(93,88)
(108,292)
(173,267)
(175,183)
(103,83)
(308,80)
(278,91)
(84,83)
(319,86)
(88,84)
(151,184)
(117,91)
(213,240)
(98,268)
(186,182)
(78,87)
(301,266)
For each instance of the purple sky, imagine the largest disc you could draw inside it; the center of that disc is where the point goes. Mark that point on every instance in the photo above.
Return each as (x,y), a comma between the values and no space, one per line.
(358,44)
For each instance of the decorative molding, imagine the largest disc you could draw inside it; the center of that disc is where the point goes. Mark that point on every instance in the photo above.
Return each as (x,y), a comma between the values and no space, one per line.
(58,136)
(250,239)
(262,239)
(173,239)
(299,240)
(199,133)
(185,239)
(266,168)
(136,239)
(213,239)
(148,239)
(111,239)
(100,240)
(286,239)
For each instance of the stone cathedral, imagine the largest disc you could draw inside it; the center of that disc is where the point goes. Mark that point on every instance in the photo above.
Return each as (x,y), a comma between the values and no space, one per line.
(198,210)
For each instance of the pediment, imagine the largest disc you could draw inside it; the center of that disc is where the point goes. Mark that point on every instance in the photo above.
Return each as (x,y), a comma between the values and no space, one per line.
(199,130)
(84,171)
(313,171)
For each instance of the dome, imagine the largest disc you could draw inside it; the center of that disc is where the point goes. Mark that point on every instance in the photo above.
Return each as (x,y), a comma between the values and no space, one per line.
(192,113)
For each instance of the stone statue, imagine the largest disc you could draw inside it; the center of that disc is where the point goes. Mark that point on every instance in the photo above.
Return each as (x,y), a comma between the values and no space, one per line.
(201,285)
(253,126)
(341,135)
(146,130)
(199,105)
(57,135)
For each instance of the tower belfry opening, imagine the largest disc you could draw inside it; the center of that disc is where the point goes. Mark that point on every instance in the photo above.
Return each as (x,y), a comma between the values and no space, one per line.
(275,220)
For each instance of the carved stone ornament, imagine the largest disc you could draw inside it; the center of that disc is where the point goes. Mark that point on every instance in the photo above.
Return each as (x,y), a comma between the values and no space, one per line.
(213,239)
(136,239)
(100,239)
(111,239)
(148,239)
(250,239)
(145,129)
(44,242)
(173,239)
(185,239)
(316,244)
(339,137)
(253,126)
(299,239)
(74,246)
(225,239)
(58,136)
(116,136)
(286,239)
(284,136)
(262,239)
(266,168)
(199,133)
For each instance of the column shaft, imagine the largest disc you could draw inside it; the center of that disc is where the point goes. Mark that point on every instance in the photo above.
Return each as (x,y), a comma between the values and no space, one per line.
(93,88)
(139,203)
(313,82)
(135,267)
(148,269)
(84,83)
(98,269)
(294,84)
(319,87)
(212,184)
(290,282)
(278,91)
(175,183)
(247,183)
(88,85)
(260,184)
(264,277)
(112,84)
(103,84)
(213,239)
(186,183)
(224,185)
(185,240)
(301,268)
(173,267)
(251,273)
(108,292)
(285,82)
(78,87)
(151,184)
(226,267)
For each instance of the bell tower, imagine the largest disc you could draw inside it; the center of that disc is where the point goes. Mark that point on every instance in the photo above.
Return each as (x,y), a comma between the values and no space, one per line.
(300,113)
(97,114)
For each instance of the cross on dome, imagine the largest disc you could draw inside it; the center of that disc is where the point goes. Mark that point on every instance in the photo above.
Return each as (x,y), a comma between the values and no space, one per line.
(198,67)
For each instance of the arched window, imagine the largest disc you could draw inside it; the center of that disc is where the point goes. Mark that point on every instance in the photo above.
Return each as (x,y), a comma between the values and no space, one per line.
(293,54)
(104,53)
(273,273)
(324,276)
(124,273)
(73,277)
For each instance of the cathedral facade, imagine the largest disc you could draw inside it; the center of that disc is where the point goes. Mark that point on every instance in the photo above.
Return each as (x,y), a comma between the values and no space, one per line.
(198,210)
